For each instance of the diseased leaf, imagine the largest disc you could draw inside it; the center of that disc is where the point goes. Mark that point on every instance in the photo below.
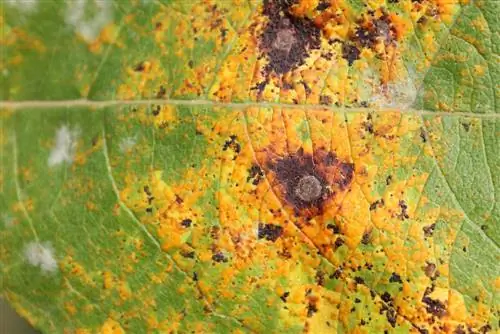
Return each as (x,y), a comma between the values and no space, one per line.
(251,166)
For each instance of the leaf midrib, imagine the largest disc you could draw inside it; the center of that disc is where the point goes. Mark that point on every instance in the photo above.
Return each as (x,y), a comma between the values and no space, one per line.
(40,104)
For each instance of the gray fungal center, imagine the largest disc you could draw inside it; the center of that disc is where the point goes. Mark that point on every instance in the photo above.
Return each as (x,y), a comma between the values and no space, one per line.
(309,188)
(284,40)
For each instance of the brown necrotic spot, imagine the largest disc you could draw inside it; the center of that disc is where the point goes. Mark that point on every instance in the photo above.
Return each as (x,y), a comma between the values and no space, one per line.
(233,144)
(429,230)
(255,175)
(373,30)
(186,223)
(269,232)
(430,270)
(312,307)
(404,210)
(320,278)
(219,257)
(286,39)
(386,297)
(391,317)
(395,278)
(367,236)
(338,242)
(308,181)
(322,5)
(370,32)
(434,306)
(350,53)
(284,296)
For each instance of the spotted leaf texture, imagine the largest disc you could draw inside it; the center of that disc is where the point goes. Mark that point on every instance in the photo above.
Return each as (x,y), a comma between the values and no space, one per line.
(231,166)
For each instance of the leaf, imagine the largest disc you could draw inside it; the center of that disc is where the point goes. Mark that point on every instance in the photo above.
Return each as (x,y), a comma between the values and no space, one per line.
(243,166)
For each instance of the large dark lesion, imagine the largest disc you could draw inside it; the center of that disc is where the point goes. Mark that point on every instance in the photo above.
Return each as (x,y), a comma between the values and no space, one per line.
(286,39)
(307,182)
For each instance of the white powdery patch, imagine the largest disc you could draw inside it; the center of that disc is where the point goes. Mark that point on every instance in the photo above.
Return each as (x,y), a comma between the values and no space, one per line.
(8,220)
(396,95)
(126,144)
(26,6)
(64,146)
(41,255)
(89,27)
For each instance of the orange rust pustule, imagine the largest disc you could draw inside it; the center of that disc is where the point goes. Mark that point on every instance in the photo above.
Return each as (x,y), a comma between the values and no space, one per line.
(308,182)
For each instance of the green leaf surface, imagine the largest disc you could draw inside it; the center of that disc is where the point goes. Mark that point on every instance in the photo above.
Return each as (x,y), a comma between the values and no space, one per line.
(250,167)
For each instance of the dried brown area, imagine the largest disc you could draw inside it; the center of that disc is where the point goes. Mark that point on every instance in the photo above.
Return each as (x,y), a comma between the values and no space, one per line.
(372,30)
(308,182)
(369,30)
(286,39)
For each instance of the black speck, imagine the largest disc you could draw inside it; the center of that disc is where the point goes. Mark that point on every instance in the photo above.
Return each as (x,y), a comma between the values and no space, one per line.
(337,273)
(423,135)
(219,257)
(189,255)
(386,297)
(339,242)
(395,278)
(139,67)
(377,204)
(162,92)
(367,236)
(320,278)
(485,329)
(334,228)
(233,144)
(429,230)
(350,53)
(186,222)
(311,309)
(368,125)
(322,5)
(391,317)
(325,100)
(404,210)
(255,174)
(156,110)
(359,280)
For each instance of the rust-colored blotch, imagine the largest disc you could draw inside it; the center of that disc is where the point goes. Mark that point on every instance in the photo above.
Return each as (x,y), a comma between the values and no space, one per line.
(308,182)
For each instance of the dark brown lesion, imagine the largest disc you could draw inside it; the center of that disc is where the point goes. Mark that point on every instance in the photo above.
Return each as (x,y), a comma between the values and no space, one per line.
(308,182)
(270,232)
(433,306)
(369,32)
(286,40)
